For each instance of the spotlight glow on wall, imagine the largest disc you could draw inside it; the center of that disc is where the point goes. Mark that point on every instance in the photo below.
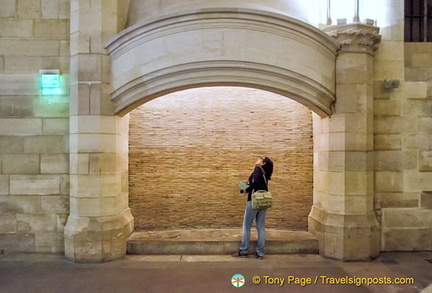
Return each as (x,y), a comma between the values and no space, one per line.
(50,82)
(356,11)
(343,9)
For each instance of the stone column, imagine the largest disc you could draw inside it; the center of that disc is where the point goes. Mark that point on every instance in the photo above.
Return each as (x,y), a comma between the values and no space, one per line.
(342,215)
(100,220)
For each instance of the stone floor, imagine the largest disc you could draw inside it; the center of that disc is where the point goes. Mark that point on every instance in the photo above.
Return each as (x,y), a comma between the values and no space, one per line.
(214,273)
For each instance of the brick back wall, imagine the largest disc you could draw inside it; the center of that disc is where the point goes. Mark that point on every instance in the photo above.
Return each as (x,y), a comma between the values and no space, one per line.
(188,150)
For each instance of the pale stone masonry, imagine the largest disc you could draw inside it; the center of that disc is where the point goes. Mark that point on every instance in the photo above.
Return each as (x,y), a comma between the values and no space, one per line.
(64,159)
(100,220)
(34,130)
(345,158)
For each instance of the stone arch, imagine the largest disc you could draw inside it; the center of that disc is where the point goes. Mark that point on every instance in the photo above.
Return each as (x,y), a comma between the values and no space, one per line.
(245,46)
(223,46)
(146,58)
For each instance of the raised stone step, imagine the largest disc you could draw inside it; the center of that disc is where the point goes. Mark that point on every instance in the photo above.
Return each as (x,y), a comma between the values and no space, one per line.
(217,242)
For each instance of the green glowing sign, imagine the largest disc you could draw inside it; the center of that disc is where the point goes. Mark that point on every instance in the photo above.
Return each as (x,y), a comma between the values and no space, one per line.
(50,82)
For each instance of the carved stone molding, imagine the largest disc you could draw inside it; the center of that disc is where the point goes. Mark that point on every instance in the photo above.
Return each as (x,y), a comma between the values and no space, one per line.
(223,46)
(356,37)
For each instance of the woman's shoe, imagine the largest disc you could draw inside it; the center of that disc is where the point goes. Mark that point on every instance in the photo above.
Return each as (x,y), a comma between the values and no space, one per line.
(259,256)
(239,254)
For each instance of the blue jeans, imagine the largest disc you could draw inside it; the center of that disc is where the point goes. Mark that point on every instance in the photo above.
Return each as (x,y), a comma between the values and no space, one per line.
(249,216)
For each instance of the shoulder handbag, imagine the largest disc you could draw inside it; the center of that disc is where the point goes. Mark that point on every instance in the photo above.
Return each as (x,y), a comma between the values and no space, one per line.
(262,199)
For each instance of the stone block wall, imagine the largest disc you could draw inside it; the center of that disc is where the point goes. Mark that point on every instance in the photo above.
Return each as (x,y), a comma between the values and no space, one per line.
(403,144)
(188,150)
(195,149)
(34,129)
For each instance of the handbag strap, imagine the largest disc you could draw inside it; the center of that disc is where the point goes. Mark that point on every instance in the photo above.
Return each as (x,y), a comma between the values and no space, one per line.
(263,173)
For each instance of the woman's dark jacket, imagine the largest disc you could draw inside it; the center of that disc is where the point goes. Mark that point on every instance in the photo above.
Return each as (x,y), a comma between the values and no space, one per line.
(256,182)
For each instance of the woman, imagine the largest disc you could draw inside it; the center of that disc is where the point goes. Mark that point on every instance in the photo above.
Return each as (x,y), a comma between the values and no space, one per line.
(258,180)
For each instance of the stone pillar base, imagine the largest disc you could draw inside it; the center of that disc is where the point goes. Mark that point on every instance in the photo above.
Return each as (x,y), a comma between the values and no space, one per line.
(94,240)
(345,237)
